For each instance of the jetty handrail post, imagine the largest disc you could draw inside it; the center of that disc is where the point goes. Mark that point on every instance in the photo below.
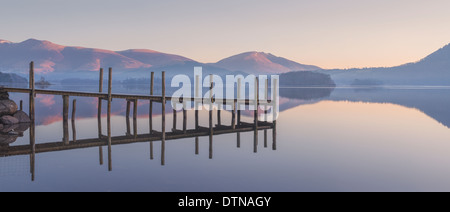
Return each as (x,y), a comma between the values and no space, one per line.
(255,134)
(99,113)
(196,108)
(211,129)
(233,116)
(163,119)
(110,85)
(238,102)
(150,113)
(152,78)
(274,113)
(32,119)
(32,92)
(100,83)
(197,95)
(266,98)
(109,119)
(255,113)
(74,109)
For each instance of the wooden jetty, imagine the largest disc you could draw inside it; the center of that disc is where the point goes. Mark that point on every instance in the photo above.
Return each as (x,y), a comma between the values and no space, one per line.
(236,125)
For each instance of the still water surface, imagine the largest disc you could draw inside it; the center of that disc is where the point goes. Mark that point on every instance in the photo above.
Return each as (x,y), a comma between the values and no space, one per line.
(342,139)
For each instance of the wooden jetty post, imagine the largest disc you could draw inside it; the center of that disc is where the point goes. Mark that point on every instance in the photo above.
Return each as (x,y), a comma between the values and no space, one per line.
(99,115)
(274,116)
(32,92)
(255,113)
(32,118)
(211,129)
(152,79)
(163,119)
(109,120)
(238,103)
(196,102)
(255,121)
(74,130)
(238,108)
(21,105)
(32,125)
(150,112)
(266,98)
(66,119)
(74,109)
(233,116)
(196,109)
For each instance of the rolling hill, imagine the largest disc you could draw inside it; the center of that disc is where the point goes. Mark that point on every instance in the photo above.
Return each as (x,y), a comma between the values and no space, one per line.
(262,63)
(433,70)
(57,62)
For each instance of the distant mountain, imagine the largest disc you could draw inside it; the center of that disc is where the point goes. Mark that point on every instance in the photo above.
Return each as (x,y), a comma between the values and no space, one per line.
(154,58)
(11,78)
(4,41)
(260,62)
(59,62)
(432,70)
(50,57)
(438,62)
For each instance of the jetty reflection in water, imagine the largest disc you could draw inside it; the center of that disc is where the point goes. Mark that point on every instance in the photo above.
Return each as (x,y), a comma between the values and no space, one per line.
(70,142)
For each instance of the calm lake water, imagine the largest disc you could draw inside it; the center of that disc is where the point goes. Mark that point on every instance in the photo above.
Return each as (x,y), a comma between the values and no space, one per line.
(342,139)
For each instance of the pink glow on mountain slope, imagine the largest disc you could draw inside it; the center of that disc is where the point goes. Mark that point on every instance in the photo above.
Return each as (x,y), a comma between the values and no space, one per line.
(45,67)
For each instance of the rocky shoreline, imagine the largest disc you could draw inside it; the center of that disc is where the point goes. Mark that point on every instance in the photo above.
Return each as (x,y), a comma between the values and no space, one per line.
(13,122)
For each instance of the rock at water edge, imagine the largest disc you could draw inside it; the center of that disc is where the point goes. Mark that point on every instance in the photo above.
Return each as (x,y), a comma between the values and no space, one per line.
(22,117)
(8,120)
(7,107)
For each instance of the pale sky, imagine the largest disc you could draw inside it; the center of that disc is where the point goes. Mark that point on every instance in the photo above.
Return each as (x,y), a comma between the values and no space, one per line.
(326,33)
